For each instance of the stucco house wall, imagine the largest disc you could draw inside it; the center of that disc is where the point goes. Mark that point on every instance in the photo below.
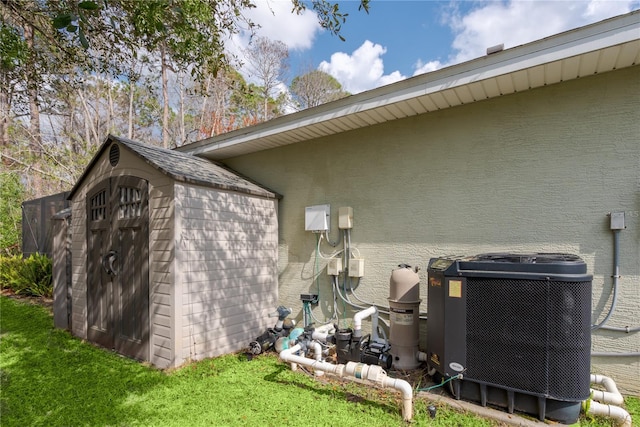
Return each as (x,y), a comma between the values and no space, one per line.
(536,171)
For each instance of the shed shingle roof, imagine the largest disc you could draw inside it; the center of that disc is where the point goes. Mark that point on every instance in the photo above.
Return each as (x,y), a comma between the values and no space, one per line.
(183,167)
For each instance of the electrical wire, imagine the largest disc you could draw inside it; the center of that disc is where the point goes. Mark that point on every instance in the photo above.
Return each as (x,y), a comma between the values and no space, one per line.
(334,315)
(455,377)
(319,238)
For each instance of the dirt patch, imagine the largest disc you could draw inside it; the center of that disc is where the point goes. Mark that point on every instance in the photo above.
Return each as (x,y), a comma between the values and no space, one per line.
(41,301)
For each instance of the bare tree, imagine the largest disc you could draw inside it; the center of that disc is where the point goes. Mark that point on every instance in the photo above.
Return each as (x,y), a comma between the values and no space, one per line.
(267,61)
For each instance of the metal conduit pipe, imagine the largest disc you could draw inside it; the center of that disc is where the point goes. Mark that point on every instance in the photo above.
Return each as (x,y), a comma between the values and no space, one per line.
(627,329)
(616,277)
(607,354)
(353,370)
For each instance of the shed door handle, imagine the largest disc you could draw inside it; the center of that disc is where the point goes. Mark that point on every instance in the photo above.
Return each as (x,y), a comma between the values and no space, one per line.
(107,263)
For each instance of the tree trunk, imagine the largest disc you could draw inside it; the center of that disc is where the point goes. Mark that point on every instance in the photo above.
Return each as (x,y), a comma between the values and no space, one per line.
(132,88)
(183,133)
(32,92)
(165,97)
(205,98)
(4,118)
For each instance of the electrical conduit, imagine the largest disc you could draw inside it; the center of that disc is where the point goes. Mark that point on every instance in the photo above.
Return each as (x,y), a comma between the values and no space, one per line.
(353,370)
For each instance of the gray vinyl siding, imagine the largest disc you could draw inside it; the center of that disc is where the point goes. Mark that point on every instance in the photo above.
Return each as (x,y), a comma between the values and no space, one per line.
(227,269)
(161,272)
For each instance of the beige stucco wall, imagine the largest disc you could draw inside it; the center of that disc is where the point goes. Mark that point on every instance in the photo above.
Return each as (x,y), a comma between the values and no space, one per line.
(161,251)
(226,270)
(534,171)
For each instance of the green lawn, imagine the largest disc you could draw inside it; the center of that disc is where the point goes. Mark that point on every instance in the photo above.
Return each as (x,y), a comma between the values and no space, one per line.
(49,378)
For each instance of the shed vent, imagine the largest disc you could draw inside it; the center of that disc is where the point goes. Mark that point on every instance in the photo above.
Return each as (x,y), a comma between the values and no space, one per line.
(114,154)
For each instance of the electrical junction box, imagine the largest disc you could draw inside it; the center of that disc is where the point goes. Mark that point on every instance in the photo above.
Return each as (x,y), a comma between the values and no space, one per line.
(356,267)
(334,266)
(317,218)
(345,218)
(617,221)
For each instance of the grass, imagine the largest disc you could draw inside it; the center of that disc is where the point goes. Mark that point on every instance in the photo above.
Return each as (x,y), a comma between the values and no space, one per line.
(49,378)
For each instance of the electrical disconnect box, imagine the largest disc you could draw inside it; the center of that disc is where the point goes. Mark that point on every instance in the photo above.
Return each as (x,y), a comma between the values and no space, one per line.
(345,218)
(617,221)
(356,267)
(317,218)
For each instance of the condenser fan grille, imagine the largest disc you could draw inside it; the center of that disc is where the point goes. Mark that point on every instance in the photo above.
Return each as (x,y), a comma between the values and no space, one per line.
(529,335)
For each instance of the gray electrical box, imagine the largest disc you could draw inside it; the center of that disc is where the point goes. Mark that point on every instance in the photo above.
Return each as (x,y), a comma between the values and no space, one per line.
(617,221)
(317,218)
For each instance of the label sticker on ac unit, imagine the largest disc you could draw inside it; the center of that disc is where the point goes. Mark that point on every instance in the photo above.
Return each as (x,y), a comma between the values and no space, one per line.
(455,288)
(456,366)
(402,316)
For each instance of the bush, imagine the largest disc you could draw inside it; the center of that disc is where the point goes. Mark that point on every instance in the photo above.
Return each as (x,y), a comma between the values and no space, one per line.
(31,276)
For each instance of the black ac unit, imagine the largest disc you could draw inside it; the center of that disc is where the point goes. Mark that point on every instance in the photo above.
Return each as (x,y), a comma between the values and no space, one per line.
(517,327)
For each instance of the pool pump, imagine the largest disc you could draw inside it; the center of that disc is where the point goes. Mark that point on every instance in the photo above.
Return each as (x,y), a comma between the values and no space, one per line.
(268,339)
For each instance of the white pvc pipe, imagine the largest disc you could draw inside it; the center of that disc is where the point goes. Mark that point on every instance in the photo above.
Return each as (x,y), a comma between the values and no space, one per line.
(357,322)
(623,418)
(407,395)
(611,395)
(355,370)
(321,333)
(288,356)
(317,354)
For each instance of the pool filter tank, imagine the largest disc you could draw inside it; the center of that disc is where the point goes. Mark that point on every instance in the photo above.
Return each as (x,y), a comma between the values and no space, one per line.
(404,317)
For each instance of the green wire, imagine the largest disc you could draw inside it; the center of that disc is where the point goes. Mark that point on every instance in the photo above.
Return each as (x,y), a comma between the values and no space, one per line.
(439,385)
(317,273)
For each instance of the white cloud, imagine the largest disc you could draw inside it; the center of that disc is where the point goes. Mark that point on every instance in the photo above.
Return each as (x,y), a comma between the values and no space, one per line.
(517,22)
(422,67)
(361,70)
(278,22)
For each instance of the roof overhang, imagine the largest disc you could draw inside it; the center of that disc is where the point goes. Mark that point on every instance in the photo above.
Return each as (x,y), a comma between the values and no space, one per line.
(605,46)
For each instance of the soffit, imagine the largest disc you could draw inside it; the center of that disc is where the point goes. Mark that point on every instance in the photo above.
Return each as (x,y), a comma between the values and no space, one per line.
(606,46)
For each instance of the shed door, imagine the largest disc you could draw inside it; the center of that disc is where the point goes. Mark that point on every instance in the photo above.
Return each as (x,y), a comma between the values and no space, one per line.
(118,266)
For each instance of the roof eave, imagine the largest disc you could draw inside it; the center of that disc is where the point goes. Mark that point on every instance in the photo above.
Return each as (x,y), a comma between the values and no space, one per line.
(324,120)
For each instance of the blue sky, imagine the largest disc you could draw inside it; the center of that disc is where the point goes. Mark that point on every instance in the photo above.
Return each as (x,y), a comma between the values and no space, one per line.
(402,38)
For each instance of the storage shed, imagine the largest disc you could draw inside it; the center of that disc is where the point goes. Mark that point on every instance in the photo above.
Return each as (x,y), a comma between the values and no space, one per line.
(174,257)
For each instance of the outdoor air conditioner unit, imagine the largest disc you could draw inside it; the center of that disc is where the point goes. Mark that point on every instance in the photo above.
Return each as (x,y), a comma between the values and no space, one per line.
(518,329)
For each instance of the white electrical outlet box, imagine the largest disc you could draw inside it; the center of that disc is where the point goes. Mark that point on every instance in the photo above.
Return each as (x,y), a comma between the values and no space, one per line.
(345,218)
(317,218)
(334,266)
(356,267)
